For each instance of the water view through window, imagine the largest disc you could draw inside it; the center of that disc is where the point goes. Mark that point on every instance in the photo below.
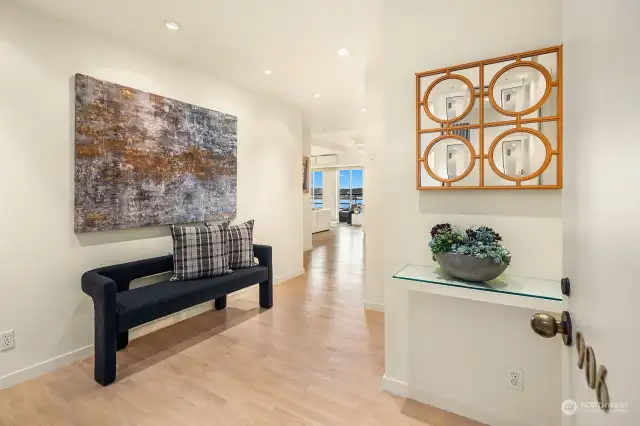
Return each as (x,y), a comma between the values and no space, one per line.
(316,188)
(350,187)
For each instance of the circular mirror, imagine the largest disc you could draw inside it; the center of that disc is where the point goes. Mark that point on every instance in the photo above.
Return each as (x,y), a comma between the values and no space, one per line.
(449,98)
(520,154)
(520,88)
(449,158)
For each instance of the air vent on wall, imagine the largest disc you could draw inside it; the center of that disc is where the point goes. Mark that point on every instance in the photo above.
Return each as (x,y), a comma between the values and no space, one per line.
(324,160)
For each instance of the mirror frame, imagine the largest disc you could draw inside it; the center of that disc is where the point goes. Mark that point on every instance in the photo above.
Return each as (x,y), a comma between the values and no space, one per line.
(545,73)
(472,98)
(472,159)
(517,119)
(535,174)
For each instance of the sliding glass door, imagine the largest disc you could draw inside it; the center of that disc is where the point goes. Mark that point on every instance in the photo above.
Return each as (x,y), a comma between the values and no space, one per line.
(357,196)
(350,187)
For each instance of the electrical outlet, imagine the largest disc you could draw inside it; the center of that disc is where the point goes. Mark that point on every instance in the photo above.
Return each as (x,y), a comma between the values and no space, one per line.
(6,340)
(515,378)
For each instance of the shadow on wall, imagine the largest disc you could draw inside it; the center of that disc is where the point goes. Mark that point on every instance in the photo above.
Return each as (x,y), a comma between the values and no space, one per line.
(541,203)
(121,235)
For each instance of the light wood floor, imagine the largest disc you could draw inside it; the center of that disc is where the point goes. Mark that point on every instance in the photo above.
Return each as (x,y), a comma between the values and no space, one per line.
(316,358)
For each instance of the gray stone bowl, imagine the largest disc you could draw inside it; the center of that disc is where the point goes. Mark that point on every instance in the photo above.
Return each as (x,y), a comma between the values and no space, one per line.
(469,268)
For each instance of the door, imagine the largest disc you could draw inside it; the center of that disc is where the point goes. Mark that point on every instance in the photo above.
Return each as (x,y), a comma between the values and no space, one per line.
(350,191)
(601,204)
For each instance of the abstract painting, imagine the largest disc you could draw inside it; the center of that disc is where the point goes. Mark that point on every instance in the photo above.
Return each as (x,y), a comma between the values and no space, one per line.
(143,159)
(305,174)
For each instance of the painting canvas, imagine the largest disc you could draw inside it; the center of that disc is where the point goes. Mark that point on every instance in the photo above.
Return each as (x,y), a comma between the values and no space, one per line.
(143,159)
(305,174)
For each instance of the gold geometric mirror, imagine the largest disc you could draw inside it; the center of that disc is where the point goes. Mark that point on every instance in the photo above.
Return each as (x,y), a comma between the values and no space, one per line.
(492,124)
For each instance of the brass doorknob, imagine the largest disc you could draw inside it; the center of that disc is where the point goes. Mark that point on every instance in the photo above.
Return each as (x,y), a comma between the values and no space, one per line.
(547,326)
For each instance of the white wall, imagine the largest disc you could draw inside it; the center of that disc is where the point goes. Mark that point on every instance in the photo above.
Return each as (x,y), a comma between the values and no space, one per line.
(521,217)
(330,191)
(530,222)
(450,366)
(42,258)
(351,156)
(375,181)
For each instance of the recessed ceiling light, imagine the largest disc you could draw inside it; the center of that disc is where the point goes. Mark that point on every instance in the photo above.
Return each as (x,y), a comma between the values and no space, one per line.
(343,52)
(172,25)
(317,95)
(362,110)
(268,72)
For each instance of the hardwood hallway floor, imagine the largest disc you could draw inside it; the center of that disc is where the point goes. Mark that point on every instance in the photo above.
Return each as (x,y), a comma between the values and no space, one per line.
(316,358)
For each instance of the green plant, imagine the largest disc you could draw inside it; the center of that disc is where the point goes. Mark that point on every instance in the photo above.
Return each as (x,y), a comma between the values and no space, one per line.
(478,241)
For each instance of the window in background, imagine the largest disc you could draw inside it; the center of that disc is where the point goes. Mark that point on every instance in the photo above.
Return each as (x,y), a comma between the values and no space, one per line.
(351,181)
(316,189)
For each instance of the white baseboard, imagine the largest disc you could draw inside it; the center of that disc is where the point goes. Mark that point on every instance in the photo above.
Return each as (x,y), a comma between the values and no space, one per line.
(394,386)
(25,374)
(287,277)
(374,306)
(36,370)
(479,414)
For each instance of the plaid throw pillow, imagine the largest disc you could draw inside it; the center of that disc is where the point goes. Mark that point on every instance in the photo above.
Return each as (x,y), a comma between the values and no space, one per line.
(199,251)
(240,245)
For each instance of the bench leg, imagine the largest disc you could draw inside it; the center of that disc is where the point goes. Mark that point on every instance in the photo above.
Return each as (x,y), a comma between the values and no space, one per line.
(106,340)
(221,302)
(266,294)
(123,340)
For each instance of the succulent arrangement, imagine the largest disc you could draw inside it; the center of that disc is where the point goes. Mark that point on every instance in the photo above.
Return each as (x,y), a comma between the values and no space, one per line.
(478,241)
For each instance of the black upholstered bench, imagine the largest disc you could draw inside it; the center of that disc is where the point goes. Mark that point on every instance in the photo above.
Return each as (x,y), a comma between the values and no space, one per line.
(118,309)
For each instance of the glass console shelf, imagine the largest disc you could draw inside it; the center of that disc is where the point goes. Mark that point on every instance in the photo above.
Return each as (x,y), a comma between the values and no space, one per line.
(508,290)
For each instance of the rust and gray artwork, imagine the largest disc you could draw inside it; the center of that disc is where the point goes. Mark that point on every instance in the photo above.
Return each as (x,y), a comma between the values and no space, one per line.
(143,159)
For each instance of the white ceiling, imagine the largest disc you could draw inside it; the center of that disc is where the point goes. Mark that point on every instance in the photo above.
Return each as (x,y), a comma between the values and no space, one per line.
(236,40)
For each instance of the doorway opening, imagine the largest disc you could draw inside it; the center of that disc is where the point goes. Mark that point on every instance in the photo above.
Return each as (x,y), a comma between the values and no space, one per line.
(351,196)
